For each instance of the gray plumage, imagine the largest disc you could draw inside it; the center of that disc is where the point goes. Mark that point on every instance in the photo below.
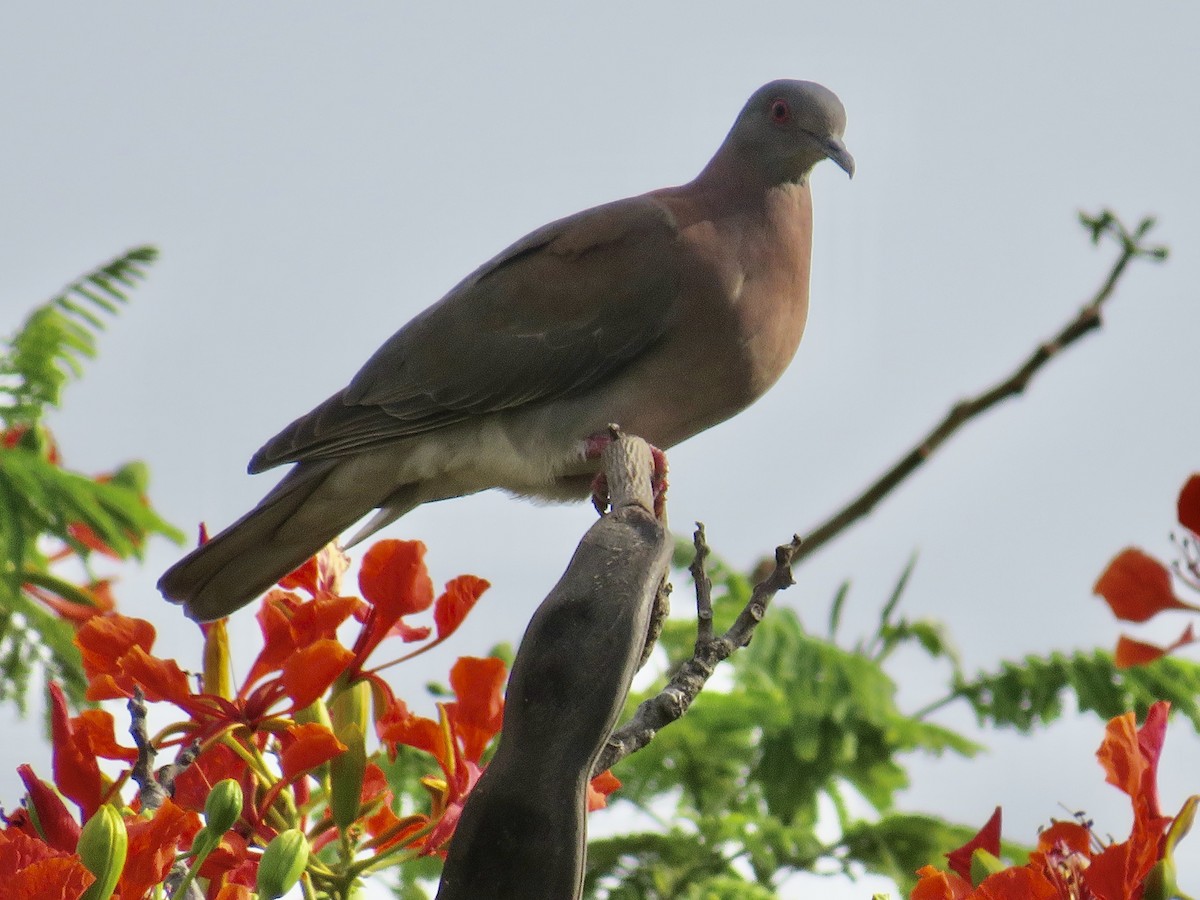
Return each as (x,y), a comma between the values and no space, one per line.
(664,313)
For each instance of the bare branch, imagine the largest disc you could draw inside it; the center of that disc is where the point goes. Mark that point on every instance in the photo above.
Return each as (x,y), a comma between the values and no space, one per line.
(704,607)
(153,787)
(689,679)
(1087,320)
(150,792)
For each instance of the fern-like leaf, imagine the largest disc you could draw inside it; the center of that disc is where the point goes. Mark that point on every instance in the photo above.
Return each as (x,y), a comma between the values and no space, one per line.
(48,512)
(56,338)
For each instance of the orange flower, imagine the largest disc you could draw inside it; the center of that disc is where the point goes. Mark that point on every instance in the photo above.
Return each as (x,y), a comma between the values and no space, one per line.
(152,846)
(266,734)
(394,580)
(1069,863)
(76,771)
(457,741)
(599,789)
(55,825)
(34,870)
(1137,587)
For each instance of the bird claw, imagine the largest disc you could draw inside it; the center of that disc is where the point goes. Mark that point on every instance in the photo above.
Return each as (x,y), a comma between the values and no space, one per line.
(594,448)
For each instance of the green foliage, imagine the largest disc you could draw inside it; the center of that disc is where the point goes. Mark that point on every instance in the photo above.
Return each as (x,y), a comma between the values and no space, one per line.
(797,728)
(1025,694)
(49,348)
(804,726)
(49,514)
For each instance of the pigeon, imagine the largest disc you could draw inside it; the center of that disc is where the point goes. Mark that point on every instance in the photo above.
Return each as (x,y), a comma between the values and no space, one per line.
(664,313)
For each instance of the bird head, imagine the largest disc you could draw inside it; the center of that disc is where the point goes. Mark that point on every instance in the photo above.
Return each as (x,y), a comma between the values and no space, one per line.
(786,128)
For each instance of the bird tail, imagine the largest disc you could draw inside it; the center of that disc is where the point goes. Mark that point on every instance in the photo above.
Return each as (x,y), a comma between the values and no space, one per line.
(310,507)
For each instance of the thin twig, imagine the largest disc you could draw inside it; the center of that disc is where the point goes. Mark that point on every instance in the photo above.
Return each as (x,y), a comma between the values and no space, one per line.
(150,792)
(658,618)
(704,607)
(689,679)
(1087,320)
(153,787)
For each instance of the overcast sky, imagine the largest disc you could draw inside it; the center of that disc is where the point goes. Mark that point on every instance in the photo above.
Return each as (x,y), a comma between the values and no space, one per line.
(315,174)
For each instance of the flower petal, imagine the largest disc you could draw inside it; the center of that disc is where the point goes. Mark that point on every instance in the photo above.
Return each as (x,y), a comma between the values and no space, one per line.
(937,885)
(306,747)
(1137,586)
(76,771)
(988,838)
(1016,883)
(55,823)
(459,598)
(393,578)
(152,846)
(1188,506)
(599,789)
(478,712)
(309,672)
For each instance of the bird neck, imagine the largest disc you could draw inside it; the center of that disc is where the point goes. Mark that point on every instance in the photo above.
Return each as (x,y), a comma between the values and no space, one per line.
(732,179)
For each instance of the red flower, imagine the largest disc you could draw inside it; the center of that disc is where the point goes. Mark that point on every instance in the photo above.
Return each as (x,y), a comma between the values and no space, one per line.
(394,580)
(76,771)
(152,846)
(1067,864)
(1137,587)
(599,789)
(987,838)
(34,870)
(54,822)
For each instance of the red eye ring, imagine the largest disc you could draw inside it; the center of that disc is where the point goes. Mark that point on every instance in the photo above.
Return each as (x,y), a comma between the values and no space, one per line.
(781,113)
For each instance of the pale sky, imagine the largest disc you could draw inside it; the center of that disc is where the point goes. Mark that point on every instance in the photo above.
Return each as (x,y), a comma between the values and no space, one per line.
(316,174)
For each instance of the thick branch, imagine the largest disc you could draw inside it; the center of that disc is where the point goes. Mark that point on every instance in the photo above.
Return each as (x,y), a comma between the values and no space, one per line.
(523,829)
(1087,320)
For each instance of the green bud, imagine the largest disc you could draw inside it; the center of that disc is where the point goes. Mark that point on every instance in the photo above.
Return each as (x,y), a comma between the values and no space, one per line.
(282,863)
(349,712)
(223,806)
(103,843)
(983,864)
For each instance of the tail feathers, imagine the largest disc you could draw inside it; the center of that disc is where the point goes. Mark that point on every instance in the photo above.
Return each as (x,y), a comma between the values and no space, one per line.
(307,510)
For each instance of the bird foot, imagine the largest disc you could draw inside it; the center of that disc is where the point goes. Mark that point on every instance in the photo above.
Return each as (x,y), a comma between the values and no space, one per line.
(593,448)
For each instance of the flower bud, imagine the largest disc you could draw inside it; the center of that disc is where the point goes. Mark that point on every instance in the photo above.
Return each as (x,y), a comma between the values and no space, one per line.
(282,863)
(103,843)
(350,714)
(223,806)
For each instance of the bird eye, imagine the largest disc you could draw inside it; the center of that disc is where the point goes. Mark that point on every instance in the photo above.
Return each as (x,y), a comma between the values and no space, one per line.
(780,111)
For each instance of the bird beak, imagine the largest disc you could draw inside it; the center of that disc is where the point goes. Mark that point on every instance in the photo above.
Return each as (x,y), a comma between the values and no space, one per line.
(837,151)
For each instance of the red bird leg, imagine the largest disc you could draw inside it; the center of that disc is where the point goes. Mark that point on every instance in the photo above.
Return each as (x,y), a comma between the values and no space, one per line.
(658,482)
(593,449)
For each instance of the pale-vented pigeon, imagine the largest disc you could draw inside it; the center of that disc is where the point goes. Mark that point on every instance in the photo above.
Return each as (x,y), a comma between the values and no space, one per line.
(664,313)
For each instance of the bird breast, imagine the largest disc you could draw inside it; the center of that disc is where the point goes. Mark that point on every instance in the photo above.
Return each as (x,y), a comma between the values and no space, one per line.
(745,305)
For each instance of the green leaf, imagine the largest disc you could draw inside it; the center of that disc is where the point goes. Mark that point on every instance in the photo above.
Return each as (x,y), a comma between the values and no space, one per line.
(47,350)
(1029,693)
